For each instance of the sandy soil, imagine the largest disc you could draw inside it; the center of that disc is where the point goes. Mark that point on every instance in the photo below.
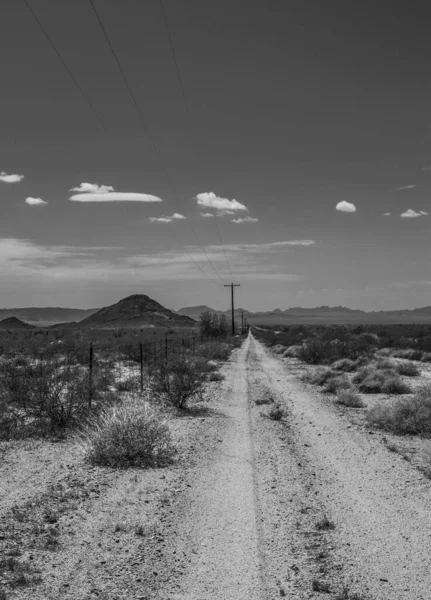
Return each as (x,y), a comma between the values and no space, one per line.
(237,516)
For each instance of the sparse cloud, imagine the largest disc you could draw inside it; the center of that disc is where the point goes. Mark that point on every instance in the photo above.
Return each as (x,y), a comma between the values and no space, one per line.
(347,207)
(174,217)
(210,200)
(114,197)
(35,201)
(406,187)
(387,214)
(267,246)
(412,214)
(94,188)
(11,178)
(426,168)
(245,220)
(206,215)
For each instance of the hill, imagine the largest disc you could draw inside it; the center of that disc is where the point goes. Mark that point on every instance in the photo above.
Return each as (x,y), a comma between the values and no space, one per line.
(136,311)
(47,316)
(14,323)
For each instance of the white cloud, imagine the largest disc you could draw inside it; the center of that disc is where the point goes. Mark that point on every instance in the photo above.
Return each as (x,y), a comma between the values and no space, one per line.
(387,214)
(13,178)
(267,246)
(92,188)
(245,220)
(114,197)
(344,206)
(412,214)
(174,217)
(35,201)
(210,200)
(406,187)
(207,215)
(426,168)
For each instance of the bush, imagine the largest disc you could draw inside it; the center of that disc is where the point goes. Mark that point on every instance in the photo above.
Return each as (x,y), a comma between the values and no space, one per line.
(215,350)
(124,437)
(314,352)
(395,385)
(180,380)
(339,382)
(276,413)
(128,385)
(319,376)
(385,364)
(292,352)
(345,364)
(406,416)
(349,398)
(408,368)
(213,325)
(372,383)
(216,376)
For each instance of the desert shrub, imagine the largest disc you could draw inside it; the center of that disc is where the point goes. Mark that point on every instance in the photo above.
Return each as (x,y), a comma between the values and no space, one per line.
(384,352)
(319,376)
(426,357)
(216,376)
(314,352)
(385,364)
(349,398)
(278,349)
(180,380)
(395,385)
(344,364)
(339,382)
(363,373)
(406,416)
(213,325)
(276,413)
(292,352)
(129,436)
(408,368)
(128,385)
(408,354)
(372,383)
(265,397)
(215,350)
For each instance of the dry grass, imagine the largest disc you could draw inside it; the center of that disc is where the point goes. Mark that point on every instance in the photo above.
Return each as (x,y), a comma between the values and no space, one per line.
(339,382)
(349,398)
(406,416)
(372,380)
(407,368)
(325,524)
(129,436)
(320,376)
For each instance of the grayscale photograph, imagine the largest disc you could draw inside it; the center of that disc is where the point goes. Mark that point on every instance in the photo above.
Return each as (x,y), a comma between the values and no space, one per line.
(215,300)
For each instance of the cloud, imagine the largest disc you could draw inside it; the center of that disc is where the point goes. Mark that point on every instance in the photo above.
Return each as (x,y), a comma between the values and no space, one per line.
(406,187)
(267,246)
(15,178)
(174,217)
(245,220)
(35,201)
(114,197)
(210,200)
(412,214)
(387,214)
(92,188)
(426,168)
(207,215)
(344,206)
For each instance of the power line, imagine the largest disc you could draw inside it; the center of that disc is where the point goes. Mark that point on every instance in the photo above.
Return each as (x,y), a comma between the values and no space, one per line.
(71,75)
(114,54)
(186,106)
(132,95)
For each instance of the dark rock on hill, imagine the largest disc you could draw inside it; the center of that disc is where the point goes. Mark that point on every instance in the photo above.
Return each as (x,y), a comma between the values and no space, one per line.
(135,312)
(14,323)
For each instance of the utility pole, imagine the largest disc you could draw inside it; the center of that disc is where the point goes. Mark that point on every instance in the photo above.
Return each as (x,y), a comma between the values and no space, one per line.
(242,322)
(233,285)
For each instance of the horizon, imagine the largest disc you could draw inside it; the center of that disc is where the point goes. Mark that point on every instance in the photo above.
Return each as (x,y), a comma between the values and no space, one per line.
(285,147)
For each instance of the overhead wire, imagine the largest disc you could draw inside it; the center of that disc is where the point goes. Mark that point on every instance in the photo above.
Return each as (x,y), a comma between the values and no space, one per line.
(186,107)
(165,170)
(71,75)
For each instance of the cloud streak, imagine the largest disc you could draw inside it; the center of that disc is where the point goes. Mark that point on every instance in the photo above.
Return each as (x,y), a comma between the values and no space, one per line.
(347,207)
(412,214)
(210,200)
(174,217)
(114,197)
(35,201)
(406,187)
(12,178)
(245,220)
(94,188)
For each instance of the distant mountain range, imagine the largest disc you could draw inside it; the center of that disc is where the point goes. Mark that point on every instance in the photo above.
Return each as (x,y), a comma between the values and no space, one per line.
(141,311)
(321,315)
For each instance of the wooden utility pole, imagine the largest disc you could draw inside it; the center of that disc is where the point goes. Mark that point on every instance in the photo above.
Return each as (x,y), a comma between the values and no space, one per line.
(233,285)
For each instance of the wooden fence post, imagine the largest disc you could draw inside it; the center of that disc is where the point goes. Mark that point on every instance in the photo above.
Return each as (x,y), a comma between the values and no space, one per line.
(90,376)
(141,356)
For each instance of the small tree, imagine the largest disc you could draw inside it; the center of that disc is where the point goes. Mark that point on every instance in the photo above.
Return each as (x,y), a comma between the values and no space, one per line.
(213,325)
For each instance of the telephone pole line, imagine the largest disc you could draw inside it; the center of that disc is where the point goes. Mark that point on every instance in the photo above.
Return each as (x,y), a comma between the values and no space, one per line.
(233,285)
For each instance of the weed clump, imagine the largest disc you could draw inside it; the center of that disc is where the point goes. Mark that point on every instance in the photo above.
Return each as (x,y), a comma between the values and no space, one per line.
(320,376)
(395,385)
(180,380)
(412,416)
(407,368)
(349,398)
(325,524)
(124,437)
(276,413)
(339,382)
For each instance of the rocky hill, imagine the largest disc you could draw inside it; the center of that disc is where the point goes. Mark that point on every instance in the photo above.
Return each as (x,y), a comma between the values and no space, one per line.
(14,323)
(135,312)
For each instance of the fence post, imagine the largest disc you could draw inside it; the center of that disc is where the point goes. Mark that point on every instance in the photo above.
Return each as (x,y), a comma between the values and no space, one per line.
(193,342)
(90,376)
(166,349)
(141,356)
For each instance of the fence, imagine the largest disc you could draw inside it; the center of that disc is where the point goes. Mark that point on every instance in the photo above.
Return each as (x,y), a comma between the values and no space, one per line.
(96,367)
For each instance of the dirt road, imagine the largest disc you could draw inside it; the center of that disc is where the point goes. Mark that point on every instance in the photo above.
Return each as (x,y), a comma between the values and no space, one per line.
(249,518)
(254,509)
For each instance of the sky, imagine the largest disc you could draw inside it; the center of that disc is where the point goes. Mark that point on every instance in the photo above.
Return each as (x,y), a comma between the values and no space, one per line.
(285,146)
